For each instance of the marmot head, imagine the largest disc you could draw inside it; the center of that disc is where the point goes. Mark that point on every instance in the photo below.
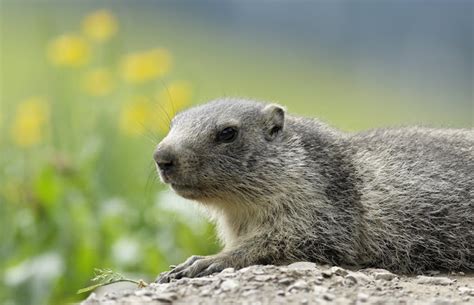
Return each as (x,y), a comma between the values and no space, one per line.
(222,149)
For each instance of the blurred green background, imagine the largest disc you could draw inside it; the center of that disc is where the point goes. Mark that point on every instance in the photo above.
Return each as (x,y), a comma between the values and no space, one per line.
(87,89)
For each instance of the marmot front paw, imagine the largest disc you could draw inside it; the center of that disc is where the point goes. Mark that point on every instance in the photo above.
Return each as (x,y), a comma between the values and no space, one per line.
(196,266)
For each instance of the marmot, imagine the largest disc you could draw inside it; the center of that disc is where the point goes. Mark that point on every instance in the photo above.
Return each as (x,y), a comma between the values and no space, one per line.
(283,188)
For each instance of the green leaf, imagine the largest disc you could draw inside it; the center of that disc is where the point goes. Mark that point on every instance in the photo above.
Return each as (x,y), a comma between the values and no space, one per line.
(48,187)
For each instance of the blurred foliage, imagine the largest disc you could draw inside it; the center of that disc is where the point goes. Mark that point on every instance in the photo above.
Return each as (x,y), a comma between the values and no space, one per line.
(71,197)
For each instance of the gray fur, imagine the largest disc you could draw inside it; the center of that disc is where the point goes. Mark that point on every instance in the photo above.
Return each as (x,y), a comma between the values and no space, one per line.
(399,199)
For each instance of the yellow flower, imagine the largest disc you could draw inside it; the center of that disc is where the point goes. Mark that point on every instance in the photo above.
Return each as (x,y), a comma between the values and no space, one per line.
(69,50)
(136,115)
(142,114)
(175,97)
(100,25)
(143,66)
(28,127)
(98,82)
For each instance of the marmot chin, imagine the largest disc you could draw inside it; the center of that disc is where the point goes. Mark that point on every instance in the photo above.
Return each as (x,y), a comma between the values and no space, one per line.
(283,188)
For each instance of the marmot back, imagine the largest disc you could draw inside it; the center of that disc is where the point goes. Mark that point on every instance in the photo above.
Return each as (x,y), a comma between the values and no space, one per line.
(283,188)
(417,186)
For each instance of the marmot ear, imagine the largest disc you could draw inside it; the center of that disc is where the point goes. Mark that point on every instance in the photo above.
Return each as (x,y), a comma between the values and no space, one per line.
(274,118)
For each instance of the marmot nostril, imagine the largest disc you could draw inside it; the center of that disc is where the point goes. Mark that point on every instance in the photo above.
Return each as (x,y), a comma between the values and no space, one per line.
(164,159)
(165,165)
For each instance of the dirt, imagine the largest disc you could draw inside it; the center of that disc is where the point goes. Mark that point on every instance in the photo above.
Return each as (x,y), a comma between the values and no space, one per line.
(301,283)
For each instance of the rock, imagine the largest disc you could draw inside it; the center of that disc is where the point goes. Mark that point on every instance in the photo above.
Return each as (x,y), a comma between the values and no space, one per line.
(164,298)
(248,293)
(319,290)
(258,271)
(466,291)
(205,293)
(327,273)
(328,296)
(198,282)
(246,269)
(318,280)
(92,299)
(334,271)
(286,281)
(356,278)
(362,297)
(302,266)
(143,292)
(298,285)
(228,270)
(434,280)
(384,275)
(229,284)
(338,271)
(264,278)
(442,302)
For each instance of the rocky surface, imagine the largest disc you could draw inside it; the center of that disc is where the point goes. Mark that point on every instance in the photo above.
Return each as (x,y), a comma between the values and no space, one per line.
(301,283)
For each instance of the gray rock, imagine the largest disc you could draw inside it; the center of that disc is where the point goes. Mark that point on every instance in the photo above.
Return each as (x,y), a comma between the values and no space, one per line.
(362,297)
(338,271)
(384,275)
(434,280)
(302,266)
(92,298)
(229,285)
(442,302)
(466,290)
(286,281)
(143,292)
(228,270)
(206,292)
(264,278)
(328,296)
(285,285)
(258,271)
(319,290)
(298,285)
(356,278)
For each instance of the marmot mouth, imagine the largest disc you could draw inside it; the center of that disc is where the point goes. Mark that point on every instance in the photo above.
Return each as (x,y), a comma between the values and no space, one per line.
(187,191)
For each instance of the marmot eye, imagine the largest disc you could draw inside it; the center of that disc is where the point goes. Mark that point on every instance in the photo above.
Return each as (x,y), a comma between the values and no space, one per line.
(227,135)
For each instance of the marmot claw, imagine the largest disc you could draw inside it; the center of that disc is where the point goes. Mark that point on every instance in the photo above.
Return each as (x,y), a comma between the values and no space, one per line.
(195,266)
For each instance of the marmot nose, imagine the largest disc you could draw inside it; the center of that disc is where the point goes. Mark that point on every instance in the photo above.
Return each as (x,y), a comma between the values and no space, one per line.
(165,160)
